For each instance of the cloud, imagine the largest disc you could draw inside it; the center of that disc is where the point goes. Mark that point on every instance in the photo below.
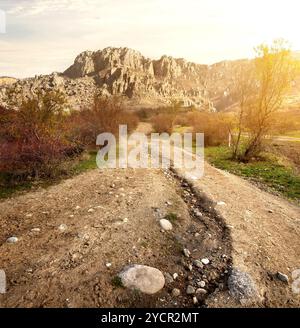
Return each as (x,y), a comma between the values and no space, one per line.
(44,36)
(37,7)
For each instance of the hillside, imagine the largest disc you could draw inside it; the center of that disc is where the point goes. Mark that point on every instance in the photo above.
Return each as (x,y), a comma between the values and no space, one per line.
(141,81)
(5,80)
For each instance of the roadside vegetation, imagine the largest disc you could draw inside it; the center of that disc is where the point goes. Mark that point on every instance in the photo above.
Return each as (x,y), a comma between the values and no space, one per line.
(43,141)
(241,141)
(268,170)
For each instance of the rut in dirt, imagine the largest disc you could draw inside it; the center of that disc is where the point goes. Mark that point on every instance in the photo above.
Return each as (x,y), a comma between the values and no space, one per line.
(215,241)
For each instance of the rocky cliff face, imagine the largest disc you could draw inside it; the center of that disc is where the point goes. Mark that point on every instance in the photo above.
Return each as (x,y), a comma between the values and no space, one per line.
(126,72)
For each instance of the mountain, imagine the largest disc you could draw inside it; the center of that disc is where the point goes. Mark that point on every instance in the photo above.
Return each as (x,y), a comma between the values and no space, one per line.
(6,80)
(142,82)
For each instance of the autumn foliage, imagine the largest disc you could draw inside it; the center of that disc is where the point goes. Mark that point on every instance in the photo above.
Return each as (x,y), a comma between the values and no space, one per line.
(42,134)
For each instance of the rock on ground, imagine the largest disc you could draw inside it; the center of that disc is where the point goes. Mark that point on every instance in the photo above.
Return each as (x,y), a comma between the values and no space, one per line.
(242,287)
(166,224)
(12,240)
(2,282)
(146,279)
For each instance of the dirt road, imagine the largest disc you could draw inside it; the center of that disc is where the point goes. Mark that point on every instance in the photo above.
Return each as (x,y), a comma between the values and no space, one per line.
(75,237)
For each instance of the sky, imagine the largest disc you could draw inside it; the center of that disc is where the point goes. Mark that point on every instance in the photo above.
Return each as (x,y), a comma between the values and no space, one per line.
(43,36)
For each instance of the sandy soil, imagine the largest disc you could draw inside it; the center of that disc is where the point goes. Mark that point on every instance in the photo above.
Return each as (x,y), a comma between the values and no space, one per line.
(112,216)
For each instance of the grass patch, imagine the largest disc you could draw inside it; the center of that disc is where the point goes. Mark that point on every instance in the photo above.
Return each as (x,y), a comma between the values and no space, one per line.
(267,171)
(294,134)
(7,191)
(172,217)
(86,163)
(117,282)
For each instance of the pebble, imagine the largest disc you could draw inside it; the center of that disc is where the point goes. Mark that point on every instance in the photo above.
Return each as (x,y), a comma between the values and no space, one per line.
(195,300)
(169,279)
(221,203)
(186,252)
(190,267)
(190,290)
(201,284)
(166,224)
(198,264)
(12,240)
(198,213)
(201,291)
(282,277)
(35,230)
(176,292)
(175,276)
(205,261)
(62,227)
(91,210)
(108,265)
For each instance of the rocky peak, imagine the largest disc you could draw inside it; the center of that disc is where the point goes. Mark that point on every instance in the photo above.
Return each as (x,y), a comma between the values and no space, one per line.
(126,72)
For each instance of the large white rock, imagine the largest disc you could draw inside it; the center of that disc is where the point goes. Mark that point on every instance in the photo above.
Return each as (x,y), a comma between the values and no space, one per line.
(2,282)
(146,279)
(166,224)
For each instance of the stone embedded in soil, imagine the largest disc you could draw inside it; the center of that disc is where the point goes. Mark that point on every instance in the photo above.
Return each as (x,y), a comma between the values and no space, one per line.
(62,227)
(175,276)
(186,252)
(176,292)
(242,287)
(205,261)
(166,224)
(168,278)
(146,279)
(2,282)
(201,284)
(12,240)
(282,277)
(198,264)
(190,290)
(201,291)
(36,230)
(198,213)
(188,267)
(195,300)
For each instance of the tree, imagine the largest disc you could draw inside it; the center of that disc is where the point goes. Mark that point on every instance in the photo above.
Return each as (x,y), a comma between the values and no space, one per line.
(261,88)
